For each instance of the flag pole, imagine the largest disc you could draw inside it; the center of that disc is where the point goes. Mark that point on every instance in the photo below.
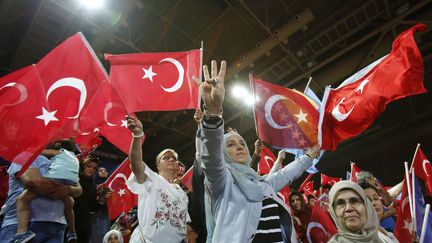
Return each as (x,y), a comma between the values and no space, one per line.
(414,222)
(407,179)
(415,153)
(252,87)
(307,85)
(425,221)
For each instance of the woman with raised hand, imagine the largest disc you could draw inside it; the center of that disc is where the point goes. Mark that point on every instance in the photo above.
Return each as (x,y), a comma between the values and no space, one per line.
(162,204)
(354,214)
(241,206)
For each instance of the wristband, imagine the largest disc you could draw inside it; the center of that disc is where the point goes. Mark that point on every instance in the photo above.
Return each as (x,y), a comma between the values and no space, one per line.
(139,135)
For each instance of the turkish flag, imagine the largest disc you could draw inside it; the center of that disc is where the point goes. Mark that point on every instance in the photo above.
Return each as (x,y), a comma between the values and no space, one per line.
(285,118)
(23,137)
(121,200)
(423,169)
(157,81)
(321,227)
(71,75)
(328,180)
(266,162)
(87,142)
(308,184)
(354,171)
(404,226)
(108,111)
(186,179)
(358,101)
(284,194)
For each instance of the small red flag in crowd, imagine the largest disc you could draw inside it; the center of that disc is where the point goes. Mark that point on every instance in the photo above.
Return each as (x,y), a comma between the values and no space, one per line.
(284,118)
(358,101)
(157,81)
(307,184)
(321,227)
(354,171)
(186,179)
(328,180)
(284,194)
(267,159)
(423,168)
(121,199)
(404,225)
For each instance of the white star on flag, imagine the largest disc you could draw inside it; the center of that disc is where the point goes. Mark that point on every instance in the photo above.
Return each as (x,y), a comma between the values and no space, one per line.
(301,117)
(121,192)
(47,116)
(408,225)
(148,73)
(124,123)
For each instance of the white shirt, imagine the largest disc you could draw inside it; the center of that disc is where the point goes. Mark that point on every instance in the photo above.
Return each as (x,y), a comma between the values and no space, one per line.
(162,210)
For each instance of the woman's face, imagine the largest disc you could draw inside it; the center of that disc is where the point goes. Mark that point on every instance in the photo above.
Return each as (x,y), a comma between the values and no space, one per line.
(350,210)
(113,238)
(376,201)
(102,172)
(90,169)
(236,148)
(168,162)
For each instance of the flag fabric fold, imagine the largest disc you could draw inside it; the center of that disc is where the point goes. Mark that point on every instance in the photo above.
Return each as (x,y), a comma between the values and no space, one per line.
(328,180)
(267,160)
(352,107)
(423,168)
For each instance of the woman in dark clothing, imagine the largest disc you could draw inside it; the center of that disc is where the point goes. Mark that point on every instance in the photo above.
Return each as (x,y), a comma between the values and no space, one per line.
(87,202)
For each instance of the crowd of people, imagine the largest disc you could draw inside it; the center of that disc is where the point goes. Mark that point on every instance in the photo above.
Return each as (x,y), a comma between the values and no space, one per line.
(58,199)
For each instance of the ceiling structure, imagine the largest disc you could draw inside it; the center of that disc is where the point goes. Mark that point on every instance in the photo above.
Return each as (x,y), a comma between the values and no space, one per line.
(282,41)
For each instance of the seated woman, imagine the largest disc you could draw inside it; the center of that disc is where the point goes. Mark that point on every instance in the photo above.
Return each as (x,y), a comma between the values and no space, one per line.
(241,206)
(354,215)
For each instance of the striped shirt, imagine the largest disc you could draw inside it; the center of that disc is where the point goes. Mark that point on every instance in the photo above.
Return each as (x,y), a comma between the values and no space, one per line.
(269,229)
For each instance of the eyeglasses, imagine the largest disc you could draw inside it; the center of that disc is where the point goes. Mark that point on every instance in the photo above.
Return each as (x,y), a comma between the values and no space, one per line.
(353,201)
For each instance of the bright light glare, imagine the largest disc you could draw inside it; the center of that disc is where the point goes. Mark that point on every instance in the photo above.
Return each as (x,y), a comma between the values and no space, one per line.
(239,92)
(243,94)
(92,4)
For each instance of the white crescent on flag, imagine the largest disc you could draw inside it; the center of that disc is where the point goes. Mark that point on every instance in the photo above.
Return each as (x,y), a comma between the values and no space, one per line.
(74,83)
(180,70)
(312,225)
(268,108)
(21,88)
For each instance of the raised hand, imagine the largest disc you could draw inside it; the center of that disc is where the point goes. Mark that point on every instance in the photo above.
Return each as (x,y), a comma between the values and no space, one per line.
(213,89)
(134,125)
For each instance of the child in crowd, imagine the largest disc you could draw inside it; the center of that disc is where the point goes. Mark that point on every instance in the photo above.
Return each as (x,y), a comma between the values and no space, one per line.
(63,169)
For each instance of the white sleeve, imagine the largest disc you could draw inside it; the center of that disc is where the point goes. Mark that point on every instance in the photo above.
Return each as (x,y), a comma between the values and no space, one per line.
(138,188)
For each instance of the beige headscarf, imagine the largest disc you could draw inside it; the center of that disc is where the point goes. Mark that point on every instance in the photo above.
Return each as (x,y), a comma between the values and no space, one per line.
(369,232)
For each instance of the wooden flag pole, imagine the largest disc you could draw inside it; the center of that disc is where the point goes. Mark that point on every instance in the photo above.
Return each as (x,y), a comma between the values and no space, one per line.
(252,87)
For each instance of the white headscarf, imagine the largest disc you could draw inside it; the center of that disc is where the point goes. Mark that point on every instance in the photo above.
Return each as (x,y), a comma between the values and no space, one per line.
(369,232)
(113,232)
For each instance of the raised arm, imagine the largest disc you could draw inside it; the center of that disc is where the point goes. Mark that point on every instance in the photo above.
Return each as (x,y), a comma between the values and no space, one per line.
(213,92)
(256,155)
(135,152)
(278,163)
(293,170)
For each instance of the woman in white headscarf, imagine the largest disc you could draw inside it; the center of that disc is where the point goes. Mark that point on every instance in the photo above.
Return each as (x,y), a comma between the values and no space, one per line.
(241,206)
(113,236)
(354,215)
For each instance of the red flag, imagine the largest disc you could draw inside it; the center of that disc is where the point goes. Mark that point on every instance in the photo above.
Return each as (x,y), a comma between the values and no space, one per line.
(23,136)
(186,179)
(284,118)
(356,103)
(108,111)
(321,227)
(266,162)
(328,180)
(121,200)
(423,169)
(87,142)
(308,184)
(354,171)
(404,226)
(157,81)
(284,194)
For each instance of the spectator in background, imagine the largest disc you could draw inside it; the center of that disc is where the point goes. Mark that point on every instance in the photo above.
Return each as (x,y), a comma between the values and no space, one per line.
(99,219)
(301,215)
(311,201)
(88,201)
(113,236)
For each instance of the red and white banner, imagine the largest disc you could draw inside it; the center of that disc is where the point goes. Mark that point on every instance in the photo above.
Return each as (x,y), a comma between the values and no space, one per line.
(423,168)
(328,180)
(157,81)
(267,160)
(358,101)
